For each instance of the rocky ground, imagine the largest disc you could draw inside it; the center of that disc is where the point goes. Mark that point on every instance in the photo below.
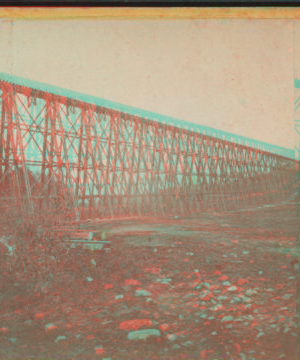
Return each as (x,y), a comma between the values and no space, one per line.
(219,286)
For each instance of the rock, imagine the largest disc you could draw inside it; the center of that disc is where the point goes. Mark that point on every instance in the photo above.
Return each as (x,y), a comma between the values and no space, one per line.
(287,296)
(172,337)
(60,338)
(50,327)
(135,324)
(164,327)
(247,299)
(188,343)
(142,293)
(164,281)
(206,284)
(227,318)
(143,334)
(218,307)
(260,334)
(99,349)
(232,288)
(132,282)
(93,262)
(4,240)
(251,292)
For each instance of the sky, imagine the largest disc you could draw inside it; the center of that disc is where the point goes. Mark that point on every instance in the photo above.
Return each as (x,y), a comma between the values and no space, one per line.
(232,75)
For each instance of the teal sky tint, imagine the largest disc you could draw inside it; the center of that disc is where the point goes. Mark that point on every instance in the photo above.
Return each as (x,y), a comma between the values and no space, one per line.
(289,153)
(297,83)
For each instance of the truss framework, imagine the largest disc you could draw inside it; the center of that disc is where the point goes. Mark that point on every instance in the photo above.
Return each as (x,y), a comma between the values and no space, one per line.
(106,162)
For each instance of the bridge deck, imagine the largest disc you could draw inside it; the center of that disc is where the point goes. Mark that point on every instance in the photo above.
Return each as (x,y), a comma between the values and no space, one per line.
(205,130)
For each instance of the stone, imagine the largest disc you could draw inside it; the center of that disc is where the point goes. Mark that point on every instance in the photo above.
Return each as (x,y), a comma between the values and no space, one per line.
(142,293)
(60,338)
(93,262)
(172,337)
(143,334)
(250,292)
(227,318)
(247,299)
(226,283)
(164,281)
(232,288)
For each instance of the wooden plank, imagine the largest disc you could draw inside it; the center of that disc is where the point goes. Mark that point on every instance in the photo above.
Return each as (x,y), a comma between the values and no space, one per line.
(79,161)
(178,190)
(139,162)
(124,197)
(85,162)
(158,194)
(152,181)
(129,188)
(116,156)
(107,199)
(44,149)
(53,134)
